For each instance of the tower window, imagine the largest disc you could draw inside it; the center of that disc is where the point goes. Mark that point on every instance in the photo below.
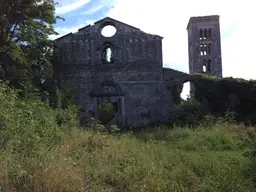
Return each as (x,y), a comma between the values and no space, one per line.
(204,68)
(201,34)
(205,49)
(205,33)
(201,49)
(207,65)
(204,65)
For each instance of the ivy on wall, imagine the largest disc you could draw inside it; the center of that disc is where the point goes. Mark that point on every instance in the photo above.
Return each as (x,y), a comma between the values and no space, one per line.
(226,94)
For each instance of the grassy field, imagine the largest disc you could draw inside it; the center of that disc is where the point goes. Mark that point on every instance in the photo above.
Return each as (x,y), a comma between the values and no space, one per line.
(162,159)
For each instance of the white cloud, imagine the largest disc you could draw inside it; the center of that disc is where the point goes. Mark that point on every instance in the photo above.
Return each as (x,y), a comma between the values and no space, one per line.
(65,7)
(93,10)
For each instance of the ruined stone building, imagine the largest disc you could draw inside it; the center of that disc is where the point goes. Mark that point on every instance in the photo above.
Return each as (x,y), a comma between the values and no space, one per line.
(204,45)
(125,69)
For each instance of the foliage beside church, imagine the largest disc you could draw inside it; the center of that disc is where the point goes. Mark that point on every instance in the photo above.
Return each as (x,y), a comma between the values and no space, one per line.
(226,94)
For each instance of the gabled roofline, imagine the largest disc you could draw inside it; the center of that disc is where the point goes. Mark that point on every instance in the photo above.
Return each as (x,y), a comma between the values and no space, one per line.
(109,18)
(59,38)
(83,28)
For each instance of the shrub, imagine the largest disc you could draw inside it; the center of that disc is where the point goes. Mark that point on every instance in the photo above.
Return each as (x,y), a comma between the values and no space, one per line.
(29,129)
(29,123)
(191,113)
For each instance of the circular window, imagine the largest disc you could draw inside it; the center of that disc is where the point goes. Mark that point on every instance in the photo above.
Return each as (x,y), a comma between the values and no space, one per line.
(108,31)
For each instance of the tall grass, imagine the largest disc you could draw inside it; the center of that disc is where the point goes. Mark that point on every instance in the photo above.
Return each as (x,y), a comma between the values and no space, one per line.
(44,150)
(218,159)
(28,131)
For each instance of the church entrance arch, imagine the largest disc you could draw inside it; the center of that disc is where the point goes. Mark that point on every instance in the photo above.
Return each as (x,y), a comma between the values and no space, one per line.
(110,92)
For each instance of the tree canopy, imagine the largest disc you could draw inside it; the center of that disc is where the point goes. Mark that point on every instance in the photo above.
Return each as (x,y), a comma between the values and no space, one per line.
(25,49)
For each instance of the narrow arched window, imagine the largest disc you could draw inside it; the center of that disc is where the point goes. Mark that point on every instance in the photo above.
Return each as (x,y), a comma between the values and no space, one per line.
(107,54)
(205,49)
(201,49)
(201,34)
(205,33)
(204,65)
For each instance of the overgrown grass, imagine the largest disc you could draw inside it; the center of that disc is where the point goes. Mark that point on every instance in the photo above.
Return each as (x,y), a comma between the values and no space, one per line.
(181,159)
(44,150)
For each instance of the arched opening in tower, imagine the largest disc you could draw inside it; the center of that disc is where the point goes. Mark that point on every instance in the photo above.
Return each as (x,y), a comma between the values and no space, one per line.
(201,34)
(205,33)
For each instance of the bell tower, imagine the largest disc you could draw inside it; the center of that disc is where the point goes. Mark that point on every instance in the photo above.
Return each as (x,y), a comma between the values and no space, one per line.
(204,45)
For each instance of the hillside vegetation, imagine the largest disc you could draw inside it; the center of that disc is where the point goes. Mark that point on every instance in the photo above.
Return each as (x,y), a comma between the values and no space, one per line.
(43,149)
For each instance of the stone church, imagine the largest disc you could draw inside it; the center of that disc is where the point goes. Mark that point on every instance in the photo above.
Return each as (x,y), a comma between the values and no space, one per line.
(126,69)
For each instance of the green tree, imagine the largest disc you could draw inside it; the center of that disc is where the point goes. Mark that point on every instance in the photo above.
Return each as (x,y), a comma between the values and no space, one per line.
(25,50)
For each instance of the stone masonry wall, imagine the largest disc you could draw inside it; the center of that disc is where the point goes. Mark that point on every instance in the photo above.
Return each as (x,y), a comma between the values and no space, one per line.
(136,76)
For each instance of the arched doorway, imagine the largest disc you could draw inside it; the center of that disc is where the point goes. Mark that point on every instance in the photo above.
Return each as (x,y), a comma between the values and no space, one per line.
(109,93)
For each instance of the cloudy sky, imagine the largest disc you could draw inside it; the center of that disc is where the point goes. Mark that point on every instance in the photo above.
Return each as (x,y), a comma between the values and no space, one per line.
(169,19)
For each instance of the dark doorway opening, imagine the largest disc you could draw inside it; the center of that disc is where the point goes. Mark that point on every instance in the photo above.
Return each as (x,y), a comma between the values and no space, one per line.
(108,112)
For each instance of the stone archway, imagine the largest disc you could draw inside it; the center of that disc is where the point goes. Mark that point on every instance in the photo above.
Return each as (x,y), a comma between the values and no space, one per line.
(110,92)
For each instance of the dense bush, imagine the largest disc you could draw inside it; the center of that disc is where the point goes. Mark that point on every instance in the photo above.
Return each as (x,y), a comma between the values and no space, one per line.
(28,130)
(190,113)
(227,94)
(26,123)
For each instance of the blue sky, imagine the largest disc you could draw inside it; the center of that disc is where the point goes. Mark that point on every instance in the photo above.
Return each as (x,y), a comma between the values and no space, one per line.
(169,18)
